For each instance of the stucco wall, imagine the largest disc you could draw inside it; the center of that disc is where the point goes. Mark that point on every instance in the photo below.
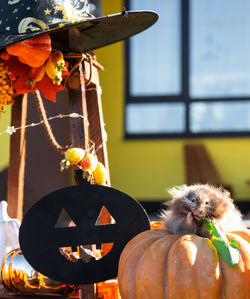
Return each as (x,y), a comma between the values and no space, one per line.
(145,168)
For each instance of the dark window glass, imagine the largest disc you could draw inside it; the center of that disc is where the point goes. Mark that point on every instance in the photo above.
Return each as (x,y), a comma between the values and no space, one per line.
(189,74)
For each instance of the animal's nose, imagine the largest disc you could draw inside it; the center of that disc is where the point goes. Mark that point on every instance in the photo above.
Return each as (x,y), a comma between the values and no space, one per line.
(197,212)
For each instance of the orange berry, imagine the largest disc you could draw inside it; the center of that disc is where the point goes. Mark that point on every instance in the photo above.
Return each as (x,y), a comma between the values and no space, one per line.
(74,155)
(89,162)
(100,174)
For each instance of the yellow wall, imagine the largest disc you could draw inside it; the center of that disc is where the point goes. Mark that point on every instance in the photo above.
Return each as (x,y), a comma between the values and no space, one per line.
(4,139)
(145,168)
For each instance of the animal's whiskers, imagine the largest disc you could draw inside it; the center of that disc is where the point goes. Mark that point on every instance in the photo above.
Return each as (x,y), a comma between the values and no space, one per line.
(204,200)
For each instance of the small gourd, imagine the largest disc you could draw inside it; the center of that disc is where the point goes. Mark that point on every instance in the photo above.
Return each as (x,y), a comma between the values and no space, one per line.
(33,51)
(19,277)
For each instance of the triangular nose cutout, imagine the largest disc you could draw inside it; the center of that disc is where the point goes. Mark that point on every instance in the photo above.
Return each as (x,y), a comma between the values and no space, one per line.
(64,220)
(105,217)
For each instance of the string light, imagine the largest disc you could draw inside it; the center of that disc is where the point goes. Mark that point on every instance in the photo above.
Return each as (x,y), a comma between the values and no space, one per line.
(11,129)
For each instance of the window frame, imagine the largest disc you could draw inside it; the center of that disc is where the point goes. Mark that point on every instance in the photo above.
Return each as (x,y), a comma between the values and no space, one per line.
(183,97)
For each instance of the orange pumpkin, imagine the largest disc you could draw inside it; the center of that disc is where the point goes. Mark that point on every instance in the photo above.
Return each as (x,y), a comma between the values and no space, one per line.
(158,264)
(33,51)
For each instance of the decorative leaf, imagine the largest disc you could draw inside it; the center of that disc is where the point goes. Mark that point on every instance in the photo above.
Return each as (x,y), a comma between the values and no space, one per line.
(48,89)
(229,251)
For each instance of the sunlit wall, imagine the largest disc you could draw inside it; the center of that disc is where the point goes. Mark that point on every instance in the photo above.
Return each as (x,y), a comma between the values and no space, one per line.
(146,168)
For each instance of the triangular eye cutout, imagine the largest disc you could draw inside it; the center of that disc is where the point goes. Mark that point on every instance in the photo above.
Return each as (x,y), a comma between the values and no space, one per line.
(64,220)
(105,217)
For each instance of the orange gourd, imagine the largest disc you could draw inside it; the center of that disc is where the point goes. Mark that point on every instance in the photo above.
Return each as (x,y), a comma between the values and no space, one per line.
(158,264)
(33,51)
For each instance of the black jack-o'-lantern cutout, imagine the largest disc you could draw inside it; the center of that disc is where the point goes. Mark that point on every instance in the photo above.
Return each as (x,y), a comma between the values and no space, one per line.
(41,239)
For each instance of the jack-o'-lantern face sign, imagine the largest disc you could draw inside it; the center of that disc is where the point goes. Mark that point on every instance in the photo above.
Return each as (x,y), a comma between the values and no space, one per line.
(41,239)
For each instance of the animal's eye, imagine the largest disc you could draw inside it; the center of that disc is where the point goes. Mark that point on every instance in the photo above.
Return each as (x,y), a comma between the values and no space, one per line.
(191,198)
(206,202)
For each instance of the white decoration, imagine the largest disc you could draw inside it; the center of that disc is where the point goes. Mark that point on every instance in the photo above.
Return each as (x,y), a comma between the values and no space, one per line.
(10,130)
(26,24)
(11,2)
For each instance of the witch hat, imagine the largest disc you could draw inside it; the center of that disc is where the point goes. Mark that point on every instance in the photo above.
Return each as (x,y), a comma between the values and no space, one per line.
(23,19)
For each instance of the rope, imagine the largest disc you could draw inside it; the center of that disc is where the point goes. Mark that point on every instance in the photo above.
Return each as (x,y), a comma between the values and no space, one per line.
(39,101)
(90,70)
(71,72)
(86,57)
(82,57)
(46,124)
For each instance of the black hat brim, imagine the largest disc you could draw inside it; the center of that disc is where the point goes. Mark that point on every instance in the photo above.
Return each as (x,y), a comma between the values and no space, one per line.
(97,32)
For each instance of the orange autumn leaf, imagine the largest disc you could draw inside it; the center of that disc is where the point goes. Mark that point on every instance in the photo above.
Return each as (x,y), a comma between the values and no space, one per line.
(21,73)
(48,89)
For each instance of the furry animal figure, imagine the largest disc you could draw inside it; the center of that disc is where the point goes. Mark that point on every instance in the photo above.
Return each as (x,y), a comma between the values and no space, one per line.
(205,200)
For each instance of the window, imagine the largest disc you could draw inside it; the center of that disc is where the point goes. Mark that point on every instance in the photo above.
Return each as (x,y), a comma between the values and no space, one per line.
(189,74)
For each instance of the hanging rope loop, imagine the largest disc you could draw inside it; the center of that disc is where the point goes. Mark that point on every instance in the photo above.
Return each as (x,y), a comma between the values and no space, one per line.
(46,124)
(40,106)
(82,57)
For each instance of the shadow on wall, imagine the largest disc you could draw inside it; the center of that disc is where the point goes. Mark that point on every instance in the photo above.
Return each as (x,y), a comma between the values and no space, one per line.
(3,184)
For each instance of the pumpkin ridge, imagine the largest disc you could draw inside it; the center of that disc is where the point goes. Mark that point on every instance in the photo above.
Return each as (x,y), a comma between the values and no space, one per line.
(144,279)
(184,256)
(222,277)
(129,258)
(165,275)
(197,266)
(245,234)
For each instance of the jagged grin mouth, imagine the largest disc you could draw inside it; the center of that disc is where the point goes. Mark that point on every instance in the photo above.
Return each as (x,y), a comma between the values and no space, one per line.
(86,253)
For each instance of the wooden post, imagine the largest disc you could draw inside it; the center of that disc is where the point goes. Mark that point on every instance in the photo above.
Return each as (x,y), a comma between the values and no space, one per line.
(77,104)
(95,115)
(79,134)
(87,102)
(17,159)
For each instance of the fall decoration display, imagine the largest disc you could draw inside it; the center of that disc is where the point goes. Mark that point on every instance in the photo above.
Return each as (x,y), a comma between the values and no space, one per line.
(31,65)
(158,264)
(87,162)
(19,277)
(6,89)
(41,239)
